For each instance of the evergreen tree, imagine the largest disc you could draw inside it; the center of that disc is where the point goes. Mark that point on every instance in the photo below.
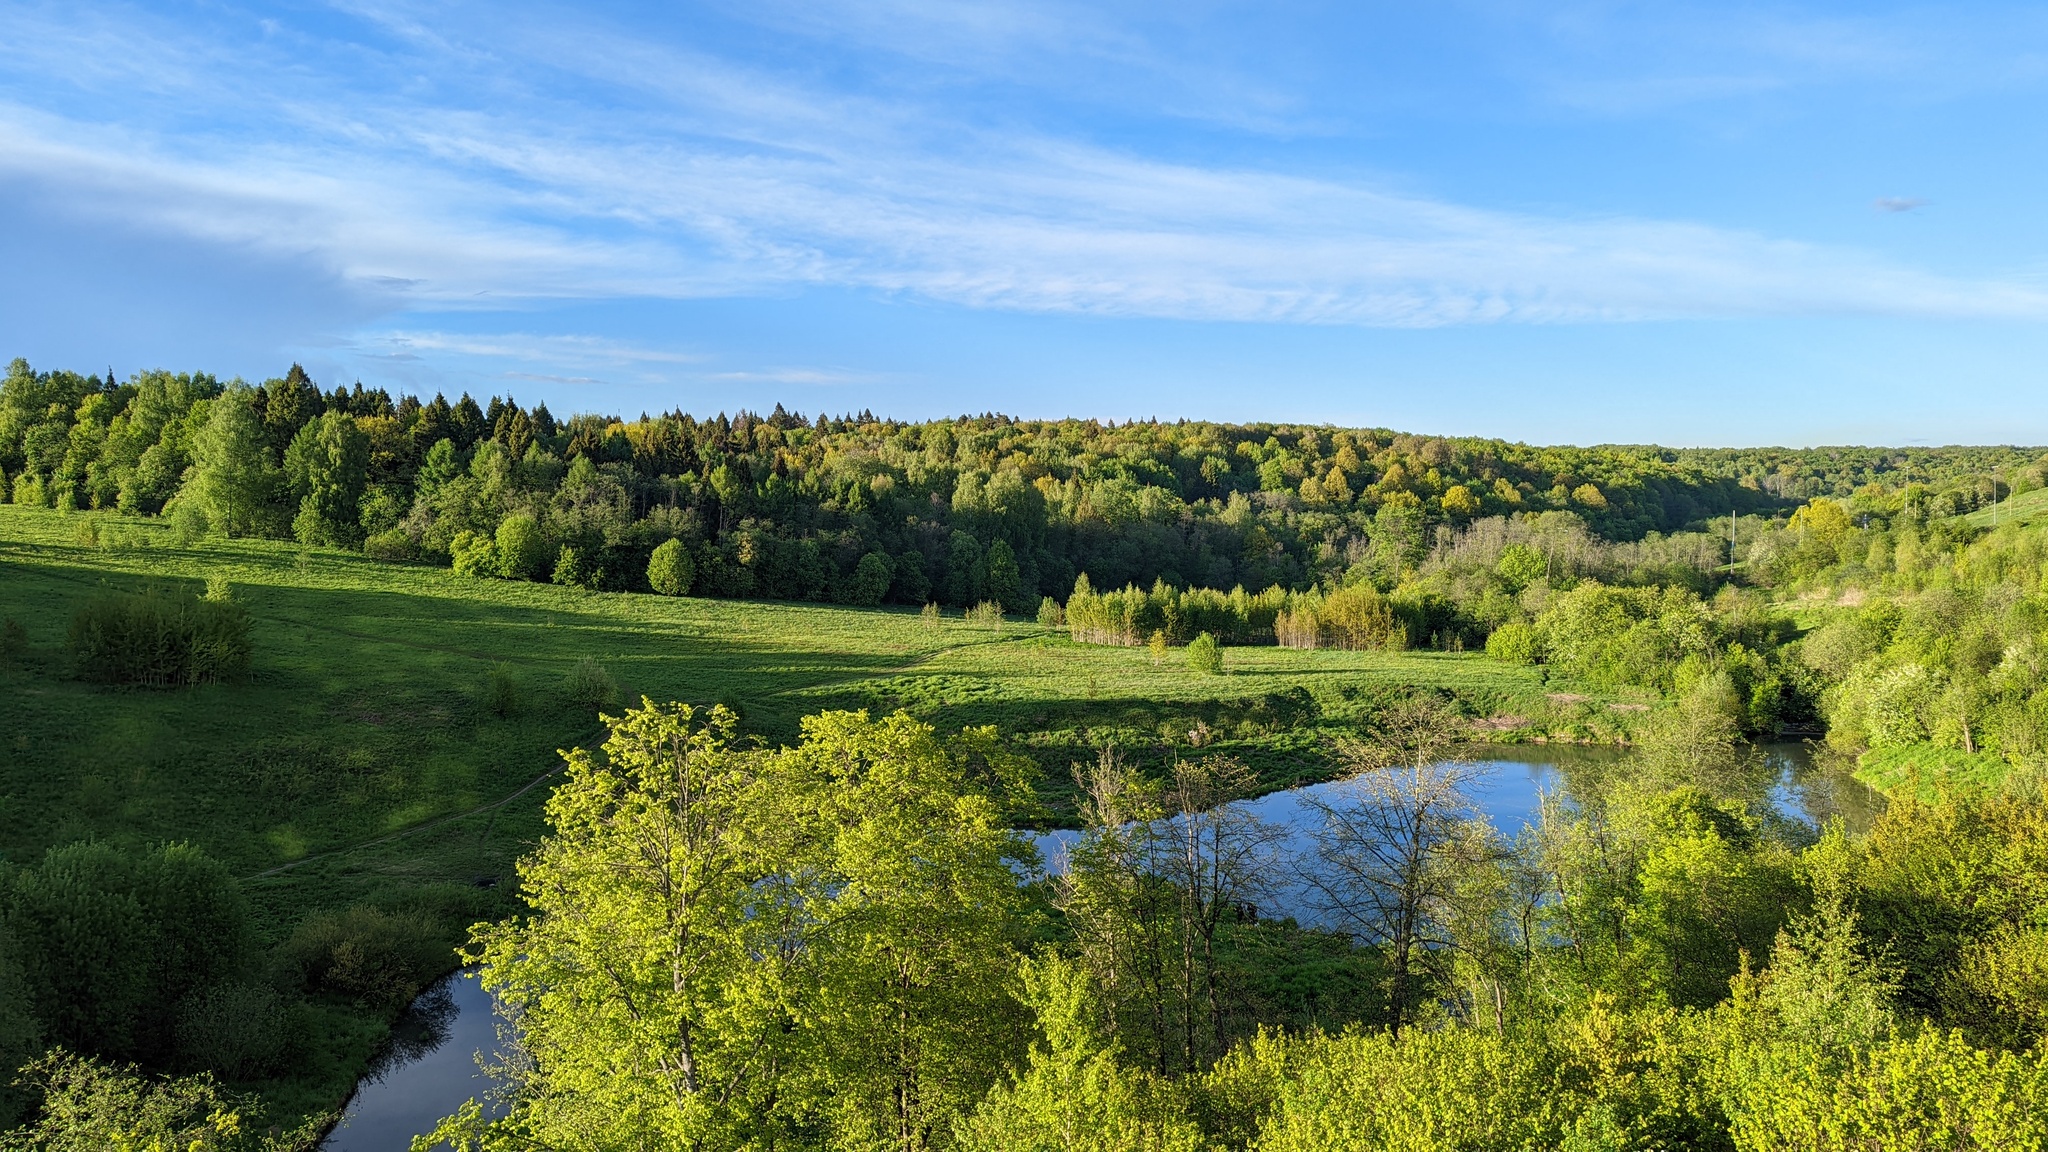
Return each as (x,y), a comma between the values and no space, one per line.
(1005,585)
(966,570)
(911,585)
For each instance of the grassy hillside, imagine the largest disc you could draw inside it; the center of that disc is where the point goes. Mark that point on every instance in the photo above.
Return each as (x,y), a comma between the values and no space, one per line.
(2025,508)
(361,762)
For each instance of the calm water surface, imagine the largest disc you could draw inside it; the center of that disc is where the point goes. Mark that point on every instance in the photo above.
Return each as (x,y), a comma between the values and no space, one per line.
(430,1068)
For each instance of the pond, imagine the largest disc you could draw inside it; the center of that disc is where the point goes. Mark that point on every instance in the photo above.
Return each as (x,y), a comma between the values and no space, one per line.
(1514,780)
(431,1066)
(433,1063)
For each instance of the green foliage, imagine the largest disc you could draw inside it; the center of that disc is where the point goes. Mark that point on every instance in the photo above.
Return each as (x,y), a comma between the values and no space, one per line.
(327,467)
(815,936)
(670,571)
(502,693)
(1075,1094)
(590,687)
(1205,656)
(1521,565)
(870,583)
(1049,613)
(367,955)
(159,640)
(96,1106)
(522,548)
(239,1030)
(233,476)
(1930,1090)
(474,554)
(113,945)
(1515,642)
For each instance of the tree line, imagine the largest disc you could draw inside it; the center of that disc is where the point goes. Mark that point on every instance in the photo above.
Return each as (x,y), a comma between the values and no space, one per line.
(856,508)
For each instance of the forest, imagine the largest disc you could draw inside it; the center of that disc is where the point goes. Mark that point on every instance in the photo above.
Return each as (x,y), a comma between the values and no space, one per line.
(822,919)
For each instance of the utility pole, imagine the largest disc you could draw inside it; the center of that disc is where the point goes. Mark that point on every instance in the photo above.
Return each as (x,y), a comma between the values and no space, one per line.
(1731,547)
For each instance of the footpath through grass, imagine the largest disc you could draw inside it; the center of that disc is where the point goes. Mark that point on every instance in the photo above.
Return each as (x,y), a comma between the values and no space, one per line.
(362,761)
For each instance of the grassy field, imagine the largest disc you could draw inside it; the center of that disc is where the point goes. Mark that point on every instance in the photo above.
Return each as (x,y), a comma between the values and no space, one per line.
(2025,508)
(360,762)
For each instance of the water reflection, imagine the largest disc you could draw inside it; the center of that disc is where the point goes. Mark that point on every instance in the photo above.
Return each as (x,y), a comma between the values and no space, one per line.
(1782,783)
(429,1068)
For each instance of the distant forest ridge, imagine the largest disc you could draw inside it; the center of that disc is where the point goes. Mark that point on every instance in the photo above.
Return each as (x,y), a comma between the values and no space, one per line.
(959,510)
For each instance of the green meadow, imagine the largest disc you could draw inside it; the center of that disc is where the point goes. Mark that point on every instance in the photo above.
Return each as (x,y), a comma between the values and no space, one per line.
(368,710)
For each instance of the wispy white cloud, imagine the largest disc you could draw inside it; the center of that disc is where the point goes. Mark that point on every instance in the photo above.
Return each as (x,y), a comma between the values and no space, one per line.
(525,347)
(671,172)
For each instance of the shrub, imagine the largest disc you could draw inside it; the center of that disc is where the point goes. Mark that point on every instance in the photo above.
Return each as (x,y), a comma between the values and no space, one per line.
(374,958)
(987,614)
(522,549)
(473,554)
(92,1104)
(219,591)
(188,524)
(930,615)
(393,545)
(1205,655)
(670,571)
(1157,646)
(1049,614)
(590,687)
(111,944)
(240,1031)
(159,641)
(569,571)
(501,691)
(1514,643)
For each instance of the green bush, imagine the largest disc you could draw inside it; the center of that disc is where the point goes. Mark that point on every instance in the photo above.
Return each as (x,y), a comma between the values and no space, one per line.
(1205,655)
(112,944)
(590,687)
(90,1104)
(1514,643)
(569,568)
(522,548)
(670,571)
(473,554)
(392,545)
(159,641)
(501,691)
(1049,614)
(240,1031)
(374,958)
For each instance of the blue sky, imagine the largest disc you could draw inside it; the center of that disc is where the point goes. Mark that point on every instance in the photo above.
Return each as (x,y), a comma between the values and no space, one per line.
(1554,222)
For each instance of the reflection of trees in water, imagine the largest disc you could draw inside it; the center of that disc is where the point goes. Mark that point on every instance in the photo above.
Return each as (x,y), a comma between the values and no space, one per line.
(1782,784)
(426,1024)
(1825,782)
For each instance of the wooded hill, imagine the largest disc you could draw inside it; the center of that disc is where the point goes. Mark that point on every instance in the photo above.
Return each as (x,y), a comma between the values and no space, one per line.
(957,511)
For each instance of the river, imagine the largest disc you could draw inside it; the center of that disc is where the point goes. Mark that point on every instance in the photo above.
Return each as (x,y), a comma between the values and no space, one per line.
(434,1062)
